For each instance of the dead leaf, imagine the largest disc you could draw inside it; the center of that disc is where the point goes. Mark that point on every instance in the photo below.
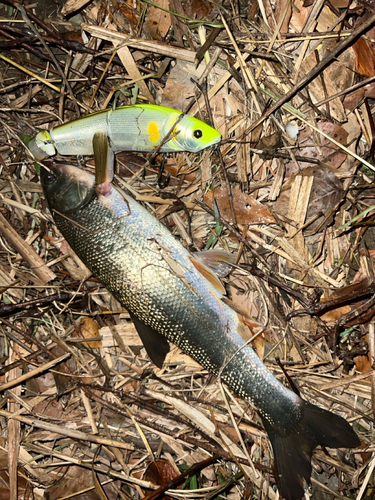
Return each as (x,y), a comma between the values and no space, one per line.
(323,150)
(342,71)
(3,457)
(247,209)
(340,4)
(49,408)
(280,8)
(158,20)
(22,485)
(89,328)
(201,9)
(316,88)
(335,314)
(352,100)
(180,29)
(299,15)
(180,89)
(72,6)
(365,57)
(326,192)
(160,472)
(75,479)
(123,14)
(363,364)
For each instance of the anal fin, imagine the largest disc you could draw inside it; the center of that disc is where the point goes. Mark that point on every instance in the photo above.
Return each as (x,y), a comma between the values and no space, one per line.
(155,343)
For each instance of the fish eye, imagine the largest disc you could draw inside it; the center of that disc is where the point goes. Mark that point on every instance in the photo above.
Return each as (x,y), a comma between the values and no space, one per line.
(50,178)
(198,133)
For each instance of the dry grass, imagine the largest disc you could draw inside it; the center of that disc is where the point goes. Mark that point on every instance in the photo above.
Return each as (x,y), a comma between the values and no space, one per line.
(87,405)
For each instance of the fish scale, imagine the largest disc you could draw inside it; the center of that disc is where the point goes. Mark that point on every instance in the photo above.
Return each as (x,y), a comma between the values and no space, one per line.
(152,275)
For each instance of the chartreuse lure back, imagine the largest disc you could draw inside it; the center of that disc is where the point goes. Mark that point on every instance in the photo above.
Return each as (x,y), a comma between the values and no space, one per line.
(141,127)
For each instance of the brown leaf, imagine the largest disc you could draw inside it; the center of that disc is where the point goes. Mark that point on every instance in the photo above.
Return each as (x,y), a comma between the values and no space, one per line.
(247,209)
(324,150)
(158,20)
(160,472)
(280,8)
(335,314)
(89,328)
(75,479)
(180,30)
(337,76)
(179,87)
(123,14)
(326,191)
(201,9)
(340,4)
(299,15)
(22,485)
(49,408)
(365,57)
(3,457)
(363,364)
(352,100)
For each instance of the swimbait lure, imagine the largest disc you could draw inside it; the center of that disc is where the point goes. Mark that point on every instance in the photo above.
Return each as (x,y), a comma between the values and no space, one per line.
(141,127)
(169,297)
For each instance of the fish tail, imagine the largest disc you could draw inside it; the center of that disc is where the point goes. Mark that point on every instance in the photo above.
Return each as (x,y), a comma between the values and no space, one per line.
(293,451)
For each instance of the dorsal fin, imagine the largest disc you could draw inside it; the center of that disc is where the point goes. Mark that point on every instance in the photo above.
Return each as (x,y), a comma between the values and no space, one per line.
(208,274)
(155,343)
(219,261)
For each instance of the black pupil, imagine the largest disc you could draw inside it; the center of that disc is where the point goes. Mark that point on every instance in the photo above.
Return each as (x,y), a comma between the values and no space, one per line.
(198,133)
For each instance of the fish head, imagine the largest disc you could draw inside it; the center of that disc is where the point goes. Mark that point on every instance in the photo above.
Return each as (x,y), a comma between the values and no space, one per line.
(190,134)
(67,188)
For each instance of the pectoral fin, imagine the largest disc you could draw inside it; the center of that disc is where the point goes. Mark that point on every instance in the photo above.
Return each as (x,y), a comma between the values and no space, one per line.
(208,274)
(104,158)
(219,261)
(156,345)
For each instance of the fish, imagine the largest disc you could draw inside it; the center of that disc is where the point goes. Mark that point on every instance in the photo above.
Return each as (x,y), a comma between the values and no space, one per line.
(141,127)
(174,296)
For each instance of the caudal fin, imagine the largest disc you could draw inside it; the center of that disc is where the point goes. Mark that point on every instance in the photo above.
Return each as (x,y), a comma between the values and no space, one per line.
(293,452)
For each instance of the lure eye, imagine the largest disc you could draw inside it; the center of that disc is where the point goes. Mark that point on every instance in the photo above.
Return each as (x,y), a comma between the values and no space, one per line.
(198,133)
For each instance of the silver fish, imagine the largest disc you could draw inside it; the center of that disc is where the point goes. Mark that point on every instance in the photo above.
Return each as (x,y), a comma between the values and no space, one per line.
(162,286)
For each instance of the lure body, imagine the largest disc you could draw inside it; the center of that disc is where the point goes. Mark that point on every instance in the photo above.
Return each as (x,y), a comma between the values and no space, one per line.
(141,127)
(153,276)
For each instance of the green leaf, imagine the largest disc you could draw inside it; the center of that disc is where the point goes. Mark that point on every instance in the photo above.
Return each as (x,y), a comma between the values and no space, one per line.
(362,214)
(25,138)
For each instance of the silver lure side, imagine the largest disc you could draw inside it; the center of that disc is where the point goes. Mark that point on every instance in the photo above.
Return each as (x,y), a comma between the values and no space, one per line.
(153,276)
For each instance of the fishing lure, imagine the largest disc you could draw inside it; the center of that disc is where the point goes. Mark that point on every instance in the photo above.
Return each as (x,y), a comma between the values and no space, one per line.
(141,127)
